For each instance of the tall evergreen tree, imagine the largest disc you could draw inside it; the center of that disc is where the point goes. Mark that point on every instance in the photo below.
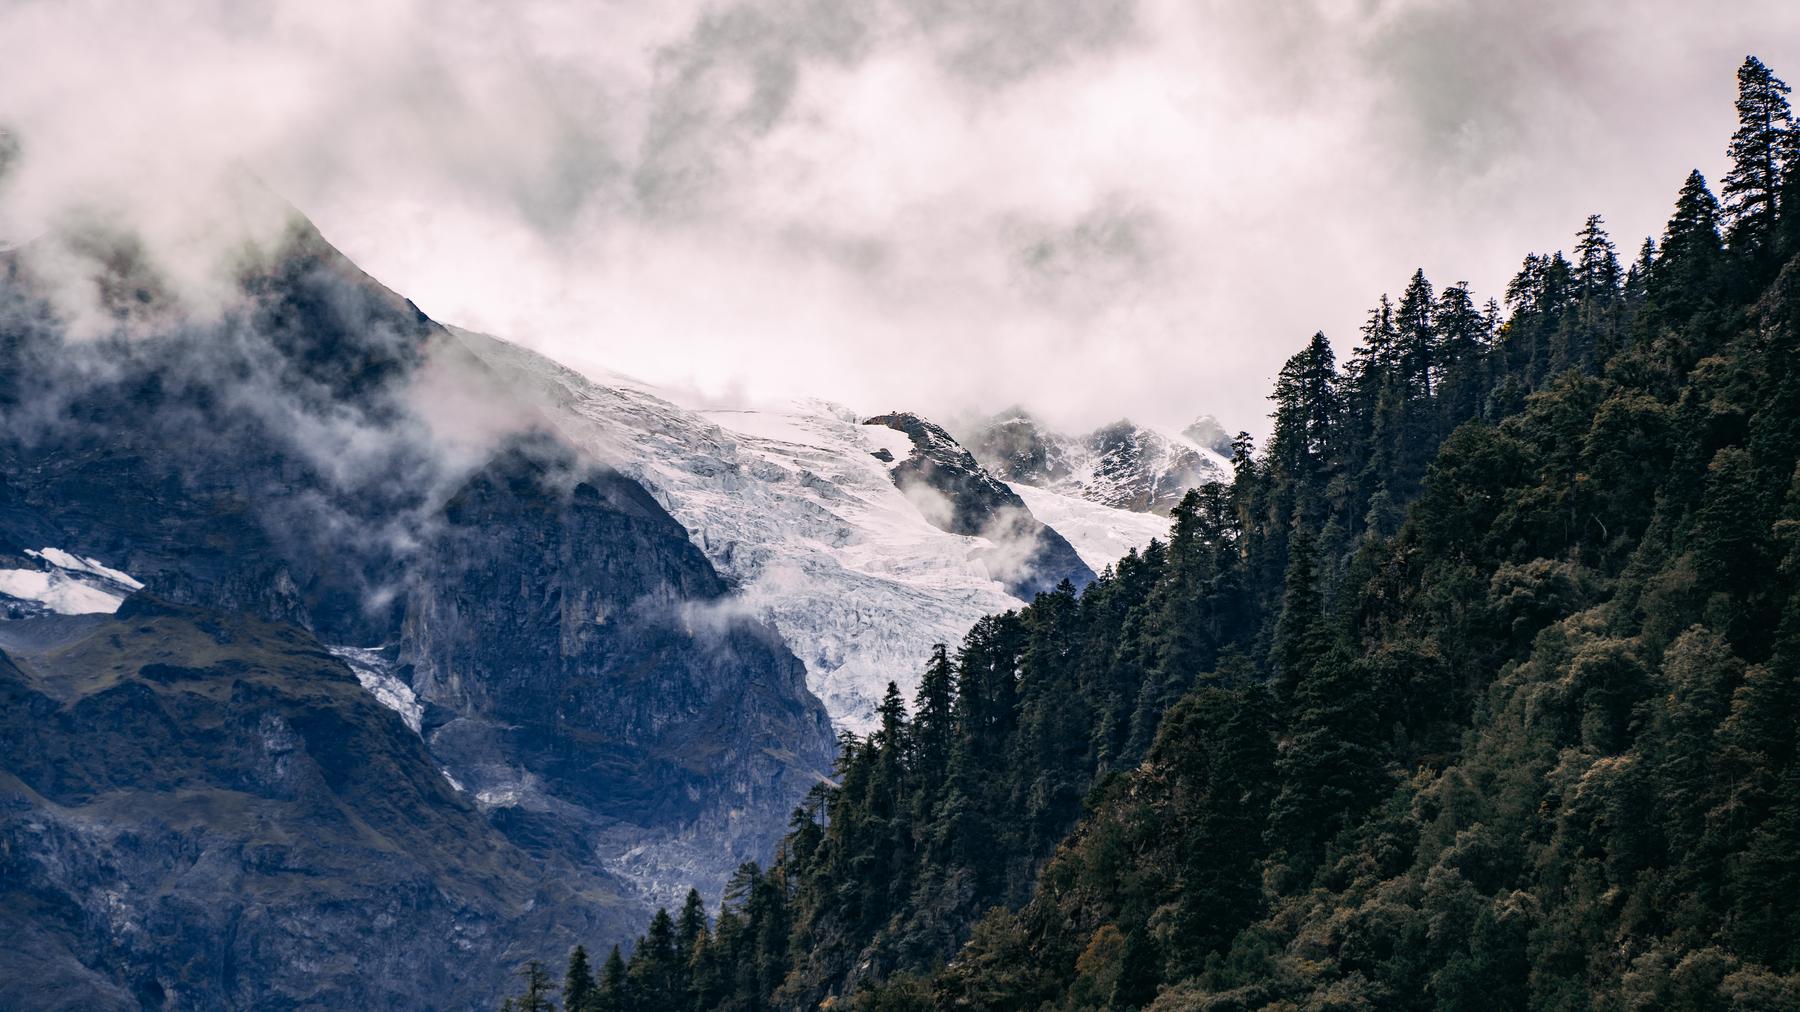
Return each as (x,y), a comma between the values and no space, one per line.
(611,994)
(1688,264)
(690,927)
(1416,336)
(932,721)
(1306,413)
(1760,149)
(578,982)
(1597,274)
(536,997)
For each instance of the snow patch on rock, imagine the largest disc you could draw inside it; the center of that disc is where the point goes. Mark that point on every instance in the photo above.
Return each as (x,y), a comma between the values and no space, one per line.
(66,584)
(376,674)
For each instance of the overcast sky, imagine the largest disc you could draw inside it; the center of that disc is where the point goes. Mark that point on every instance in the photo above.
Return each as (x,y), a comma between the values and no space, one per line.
(1096,208)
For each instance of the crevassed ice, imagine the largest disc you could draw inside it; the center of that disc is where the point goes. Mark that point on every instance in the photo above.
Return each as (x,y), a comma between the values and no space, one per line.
(1101,534)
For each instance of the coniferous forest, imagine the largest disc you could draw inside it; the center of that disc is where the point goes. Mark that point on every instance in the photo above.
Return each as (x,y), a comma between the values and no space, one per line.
(1477,687)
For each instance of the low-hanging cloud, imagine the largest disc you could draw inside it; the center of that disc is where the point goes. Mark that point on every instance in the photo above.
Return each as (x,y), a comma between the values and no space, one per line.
(1094,209)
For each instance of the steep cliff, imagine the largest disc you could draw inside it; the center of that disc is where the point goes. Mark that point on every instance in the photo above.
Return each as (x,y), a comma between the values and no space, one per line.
(582,663)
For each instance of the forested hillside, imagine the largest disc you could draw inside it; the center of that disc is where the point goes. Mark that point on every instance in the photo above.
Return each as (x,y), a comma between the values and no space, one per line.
(1475,688)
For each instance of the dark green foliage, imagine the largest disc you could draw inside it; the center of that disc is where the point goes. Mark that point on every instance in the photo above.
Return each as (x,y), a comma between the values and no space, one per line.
(536,997)
(1763,144)
(1478,689)
(612,995)
(578,982)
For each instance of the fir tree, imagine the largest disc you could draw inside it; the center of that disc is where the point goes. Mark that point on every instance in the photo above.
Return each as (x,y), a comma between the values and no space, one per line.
(690,927)
(1687,267)
(578,982)
(932,731)
(1597,272)
(537,989)
(1760,149)
(612,992)
(1416,337)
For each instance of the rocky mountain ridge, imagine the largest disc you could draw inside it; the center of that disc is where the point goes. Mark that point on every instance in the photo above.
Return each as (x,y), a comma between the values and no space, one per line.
(1122,465)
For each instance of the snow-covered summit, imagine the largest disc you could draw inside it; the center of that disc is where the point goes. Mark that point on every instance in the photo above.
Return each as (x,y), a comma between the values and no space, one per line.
(1122,465)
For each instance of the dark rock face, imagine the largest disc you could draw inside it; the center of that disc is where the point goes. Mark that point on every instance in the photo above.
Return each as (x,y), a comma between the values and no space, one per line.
(579,660)
(958,495)
(264,462)
(206,811)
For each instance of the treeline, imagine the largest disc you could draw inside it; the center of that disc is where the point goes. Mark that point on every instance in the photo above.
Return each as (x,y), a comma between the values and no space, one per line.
(1477,688)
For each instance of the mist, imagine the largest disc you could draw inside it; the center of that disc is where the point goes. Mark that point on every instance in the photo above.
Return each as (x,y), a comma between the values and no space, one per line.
(1090,209)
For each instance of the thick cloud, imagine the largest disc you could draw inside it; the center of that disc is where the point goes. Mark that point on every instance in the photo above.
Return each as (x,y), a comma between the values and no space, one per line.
(1091,208)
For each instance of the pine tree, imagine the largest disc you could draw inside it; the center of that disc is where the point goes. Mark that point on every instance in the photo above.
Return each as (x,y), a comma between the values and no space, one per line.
(1463,338)
(537,989)
(653,973)
(932,730)
(1637,279)
(612,992)
(1686,273)
(578,982)
(1416,337)
(1597,275)
(892,748)
(1760,149)
(690,927)
(1306,412)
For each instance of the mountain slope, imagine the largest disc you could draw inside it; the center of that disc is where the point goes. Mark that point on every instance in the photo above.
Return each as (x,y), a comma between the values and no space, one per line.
(206,811)
(581,662)
(292,458)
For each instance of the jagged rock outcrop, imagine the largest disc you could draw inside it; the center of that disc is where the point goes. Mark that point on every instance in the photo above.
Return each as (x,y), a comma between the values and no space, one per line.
(958,495)
(581,661)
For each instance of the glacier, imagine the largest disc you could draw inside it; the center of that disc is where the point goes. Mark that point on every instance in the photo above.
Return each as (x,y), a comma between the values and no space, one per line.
(794,504)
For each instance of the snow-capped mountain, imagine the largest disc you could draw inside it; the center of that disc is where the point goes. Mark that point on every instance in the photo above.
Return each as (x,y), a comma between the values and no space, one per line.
(1122,465)
(800,507)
